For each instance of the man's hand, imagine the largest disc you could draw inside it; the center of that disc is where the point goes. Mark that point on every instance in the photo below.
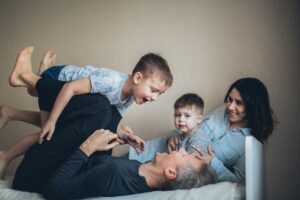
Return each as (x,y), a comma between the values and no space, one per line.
(203,156)
(100,140)
(47,130)
(125,134)
(172,143)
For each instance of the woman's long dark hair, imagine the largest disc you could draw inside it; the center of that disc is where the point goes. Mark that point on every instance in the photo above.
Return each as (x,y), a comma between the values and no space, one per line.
(258,111)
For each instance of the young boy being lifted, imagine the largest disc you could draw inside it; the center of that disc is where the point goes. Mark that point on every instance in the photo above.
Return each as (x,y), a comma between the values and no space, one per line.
(150,77)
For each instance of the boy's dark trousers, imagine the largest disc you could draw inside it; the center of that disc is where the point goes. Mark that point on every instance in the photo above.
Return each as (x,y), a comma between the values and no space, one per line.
(82,116)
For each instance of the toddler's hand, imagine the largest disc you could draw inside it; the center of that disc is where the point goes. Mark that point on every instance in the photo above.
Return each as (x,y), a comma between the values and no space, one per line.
(172,143)
(47,131)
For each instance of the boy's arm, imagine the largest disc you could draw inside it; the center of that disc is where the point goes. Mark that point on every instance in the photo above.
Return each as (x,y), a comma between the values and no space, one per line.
(70,89)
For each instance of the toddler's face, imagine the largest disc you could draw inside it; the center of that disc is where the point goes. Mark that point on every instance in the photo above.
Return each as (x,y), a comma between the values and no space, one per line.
(148,88)
(187,118)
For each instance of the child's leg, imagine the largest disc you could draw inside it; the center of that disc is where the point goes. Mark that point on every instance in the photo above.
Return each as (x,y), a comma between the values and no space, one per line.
(22,75)
(16,150)
(8,114)
(44,115)
(48,60)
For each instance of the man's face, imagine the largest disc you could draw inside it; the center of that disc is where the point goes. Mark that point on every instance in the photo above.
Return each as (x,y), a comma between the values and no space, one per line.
(177,159)
(148,88)
(186,119)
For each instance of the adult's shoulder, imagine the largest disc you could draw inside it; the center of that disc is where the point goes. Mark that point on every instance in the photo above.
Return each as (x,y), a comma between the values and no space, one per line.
(215,123)
(218,116)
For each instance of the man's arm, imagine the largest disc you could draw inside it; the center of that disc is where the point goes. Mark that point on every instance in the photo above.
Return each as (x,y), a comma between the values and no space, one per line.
(100,140)
(66,180)
(69,90)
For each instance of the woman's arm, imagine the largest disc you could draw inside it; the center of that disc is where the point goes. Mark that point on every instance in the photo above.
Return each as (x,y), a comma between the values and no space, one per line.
(237,174)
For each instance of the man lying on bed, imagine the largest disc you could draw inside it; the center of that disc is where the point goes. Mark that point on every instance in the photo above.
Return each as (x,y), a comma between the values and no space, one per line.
(58,169)
(83,175)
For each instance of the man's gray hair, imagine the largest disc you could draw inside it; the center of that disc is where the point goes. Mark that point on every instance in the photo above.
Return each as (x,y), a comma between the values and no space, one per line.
(188,177)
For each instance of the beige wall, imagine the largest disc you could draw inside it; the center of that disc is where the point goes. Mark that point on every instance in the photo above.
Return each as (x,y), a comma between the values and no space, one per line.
(209,44)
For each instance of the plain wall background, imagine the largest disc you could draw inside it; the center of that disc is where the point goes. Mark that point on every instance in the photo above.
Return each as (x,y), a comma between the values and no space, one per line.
(208,44)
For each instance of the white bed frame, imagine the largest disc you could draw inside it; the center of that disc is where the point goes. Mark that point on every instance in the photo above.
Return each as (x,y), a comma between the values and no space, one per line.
(254,169)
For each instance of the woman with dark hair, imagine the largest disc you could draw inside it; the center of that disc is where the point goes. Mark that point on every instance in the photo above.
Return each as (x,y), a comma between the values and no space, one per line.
(256,102)
(246,112)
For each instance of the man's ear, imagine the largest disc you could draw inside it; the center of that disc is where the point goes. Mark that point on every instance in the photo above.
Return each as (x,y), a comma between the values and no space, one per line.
(170,173)
(137,77)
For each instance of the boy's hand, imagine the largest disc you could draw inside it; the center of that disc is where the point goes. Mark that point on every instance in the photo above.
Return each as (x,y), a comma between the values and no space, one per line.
(203,156)
(125,134)
(47,131)
(172,143)
(136,142)
(122,129)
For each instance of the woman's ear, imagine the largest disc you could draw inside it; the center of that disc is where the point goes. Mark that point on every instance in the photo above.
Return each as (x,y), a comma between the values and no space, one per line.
(170,173)
(137,77)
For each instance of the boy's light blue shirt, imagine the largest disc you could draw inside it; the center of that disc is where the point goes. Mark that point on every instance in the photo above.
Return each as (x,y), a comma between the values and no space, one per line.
(105,81)
(228,145)
(201,140)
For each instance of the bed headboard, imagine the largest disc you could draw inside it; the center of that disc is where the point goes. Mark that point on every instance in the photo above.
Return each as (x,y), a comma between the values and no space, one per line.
(254,169)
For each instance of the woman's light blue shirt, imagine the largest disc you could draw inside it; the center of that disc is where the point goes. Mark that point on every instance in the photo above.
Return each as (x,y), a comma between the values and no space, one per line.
(227,144)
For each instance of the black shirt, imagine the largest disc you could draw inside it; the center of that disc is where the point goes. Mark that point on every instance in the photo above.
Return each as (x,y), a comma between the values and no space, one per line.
(100,175)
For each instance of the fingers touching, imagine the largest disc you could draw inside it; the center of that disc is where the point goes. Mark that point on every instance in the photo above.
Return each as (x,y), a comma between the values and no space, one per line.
(172,143)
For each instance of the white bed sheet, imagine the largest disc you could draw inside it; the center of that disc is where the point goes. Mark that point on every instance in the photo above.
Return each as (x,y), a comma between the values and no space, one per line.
(224,191)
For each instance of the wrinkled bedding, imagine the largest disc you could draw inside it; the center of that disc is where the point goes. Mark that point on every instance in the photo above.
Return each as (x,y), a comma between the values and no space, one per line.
(224,191)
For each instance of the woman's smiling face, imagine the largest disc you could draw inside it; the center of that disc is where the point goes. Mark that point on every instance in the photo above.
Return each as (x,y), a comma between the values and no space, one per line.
(236,109)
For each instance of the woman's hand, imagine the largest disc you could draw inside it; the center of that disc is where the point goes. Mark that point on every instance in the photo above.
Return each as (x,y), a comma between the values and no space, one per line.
(172,143)
(100,140)
(47,130)
(203,156)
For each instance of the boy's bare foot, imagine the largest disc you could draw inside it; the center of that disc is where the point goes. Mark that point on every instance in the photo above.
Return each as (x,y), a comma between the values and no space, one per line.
(4,119)
(3,165)
(23,65)
(49,59)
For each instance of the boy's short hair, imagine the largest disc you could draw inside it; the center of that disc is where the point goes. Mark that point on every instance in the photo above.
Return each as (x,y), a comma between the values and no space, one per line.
(150,63)
(190,99)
